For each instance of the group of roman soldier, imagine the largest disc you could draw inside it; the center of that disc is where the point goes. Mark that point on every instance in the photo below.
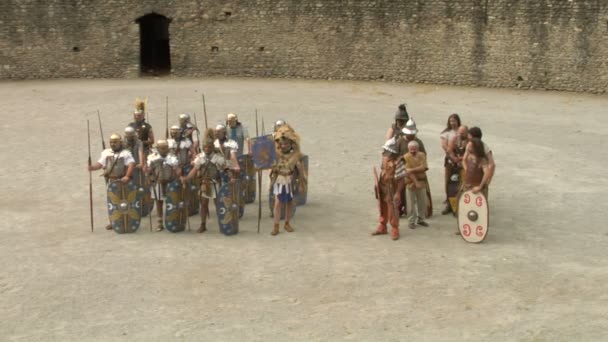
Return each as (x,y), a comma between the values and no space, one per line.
(188,169)
(469,166)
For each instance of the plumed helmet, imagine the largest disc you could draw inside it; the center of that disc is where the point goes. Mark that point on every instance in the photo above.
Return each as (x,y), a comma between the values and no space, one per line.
(401,113)
(140,106)
(410,127)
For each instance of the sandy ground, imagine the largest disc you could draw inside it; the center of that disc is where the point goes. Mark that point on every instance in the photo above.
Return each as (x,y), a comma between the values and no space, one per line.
(541,274)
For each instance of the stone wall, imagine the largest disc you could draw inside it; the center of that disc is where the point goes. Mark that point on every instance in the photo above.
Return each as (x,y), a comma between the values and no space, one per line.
(549,44)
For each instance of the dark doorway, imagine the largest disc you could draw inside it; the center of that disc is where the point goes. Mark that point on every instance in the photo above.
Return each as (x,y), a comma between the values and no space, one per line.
(155,55)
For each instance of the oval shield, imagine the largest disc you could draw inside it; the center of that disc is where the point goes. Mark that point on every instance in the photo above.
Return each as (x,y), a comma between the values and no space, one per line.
(473,216)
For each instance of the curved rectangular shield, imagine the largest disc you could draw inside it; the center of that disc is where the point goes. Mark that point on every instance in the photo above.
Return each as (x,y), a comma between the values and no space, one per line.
(124,206)
(263,152)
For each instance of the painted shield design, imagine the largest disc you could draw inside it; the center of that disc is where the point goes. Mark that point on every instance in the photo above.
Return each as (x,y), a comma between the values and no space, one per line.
(124,206)
(143,187)
(248,178)
(473,216)
(227,210)
(263,152)
(194,199)
(175,207)
(454,185)
(301,197)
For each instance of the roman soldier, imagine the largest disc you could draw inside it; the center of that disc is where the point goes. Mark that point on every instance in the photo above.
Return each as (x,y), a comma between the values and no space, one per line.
(117,162)
(388,186)
(208,166)
(236,131)
(134,145)
(181,147)
(226,146)
(187,132)
(287,166)
(141,127)
(162,168)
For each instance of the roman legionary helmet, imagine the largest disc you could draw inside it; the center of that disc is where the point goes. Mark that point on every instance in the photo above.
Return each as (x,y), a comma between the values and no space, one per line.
(129,132)
(410,127)
(184,118)
(277,124)
(401,113)
(174,131)
(162,146)
(140,106)
(115,142)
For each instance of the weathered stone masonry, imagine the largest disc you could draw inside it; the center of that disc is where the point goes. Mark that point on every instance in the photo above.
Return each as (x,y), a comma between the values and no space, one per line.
(551,44)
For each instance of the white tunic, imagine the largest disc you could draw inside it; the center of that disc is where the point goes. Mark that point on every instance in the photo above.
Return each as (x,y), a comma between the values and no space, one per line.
(125,154)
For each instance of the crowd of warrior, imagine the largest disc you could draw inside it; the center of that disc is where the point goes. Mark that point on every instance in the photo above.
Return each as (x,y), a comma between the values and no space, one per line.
(468,163)
(210,158)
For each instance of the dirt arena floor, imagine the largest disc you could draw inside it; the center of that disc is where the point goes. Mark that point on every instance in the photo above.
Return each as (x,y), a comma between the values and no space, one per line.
(541,275)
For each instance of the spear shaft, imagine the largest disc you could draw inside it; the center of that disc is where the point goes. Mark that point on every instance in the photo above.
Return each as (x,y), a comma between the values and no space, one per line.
(103,143)
(167,118)
(90,176)
(205,112)
(257,133)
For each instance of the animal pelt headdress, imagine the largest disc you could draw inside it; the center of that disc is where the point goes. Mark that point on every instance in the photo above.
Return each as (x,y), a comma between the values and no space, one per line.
(286,132)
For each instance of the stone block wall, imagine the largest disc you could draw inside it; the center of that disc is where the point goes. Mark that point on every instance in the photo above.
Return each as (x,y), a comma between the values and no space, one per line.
(548,44)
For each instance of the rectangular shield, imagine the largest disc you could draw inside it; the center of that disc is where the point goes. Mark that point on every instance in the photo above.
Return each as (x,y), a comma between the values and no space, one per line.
(263,152)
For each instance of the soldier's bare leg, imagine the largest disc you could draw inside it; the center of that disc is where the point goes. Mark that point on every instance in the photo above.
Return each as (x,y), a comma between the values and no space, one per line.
(288,210)
(277,216)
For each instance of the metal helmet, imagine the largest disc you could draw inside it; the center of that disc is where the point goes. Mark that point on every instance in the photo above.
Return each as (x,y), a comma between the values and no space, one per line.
(401,113)
(174,131)
(162,146)
(220,127)
(129,132)
(410,127)
(115,142)
(184,118)
(278,124)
